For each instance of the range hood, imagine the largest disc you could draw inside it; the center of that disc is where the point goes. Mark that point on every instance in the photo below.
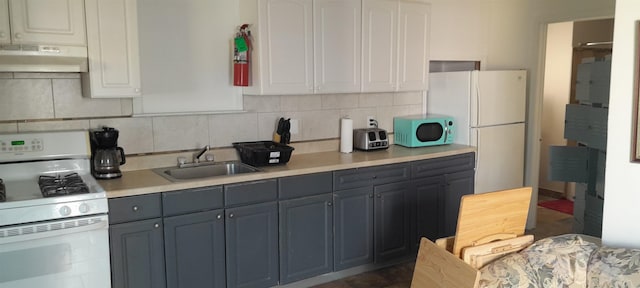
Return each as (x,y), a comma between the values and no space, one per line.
(43,58)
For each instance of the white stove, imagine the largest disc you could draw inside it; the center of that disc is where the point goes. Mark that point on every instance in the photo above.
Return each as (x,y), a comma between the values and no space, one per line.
(53,213)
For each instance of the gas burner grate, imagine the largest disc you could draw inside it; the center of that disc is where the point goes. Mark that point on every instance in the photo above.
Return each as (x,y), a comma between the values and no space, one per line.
(62,185)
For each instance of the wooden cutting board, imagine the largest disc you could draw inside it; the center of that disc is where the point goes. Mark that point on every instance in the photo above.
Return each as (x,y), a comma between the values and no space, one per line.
(437,268)
(494,213)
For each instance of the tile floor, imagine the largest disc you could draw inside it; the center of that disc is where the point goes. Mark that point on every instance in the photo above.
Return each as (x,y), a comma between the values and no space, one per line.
(550,223)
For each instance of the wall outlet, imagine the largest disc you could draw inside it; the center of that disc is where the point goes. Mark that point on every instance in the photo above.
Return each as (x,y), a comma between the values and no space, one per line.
(371,122)
(294,126)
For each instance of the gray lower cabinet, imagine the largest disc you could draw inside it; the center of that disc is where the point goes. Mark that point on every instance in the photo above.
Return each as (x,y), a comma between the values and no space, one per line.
(306,237)
(194,237)
(137,254)
(136,242)
(456,185)
(439,184)
(252,245)
(353,220)
(429,193)
(373,224)
(278,231)
(195,250)
(393,221)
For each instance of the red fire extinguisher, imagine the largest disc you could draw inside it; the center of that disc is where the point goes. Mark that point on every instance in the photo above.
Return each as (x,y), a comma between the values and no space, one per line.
(242,56)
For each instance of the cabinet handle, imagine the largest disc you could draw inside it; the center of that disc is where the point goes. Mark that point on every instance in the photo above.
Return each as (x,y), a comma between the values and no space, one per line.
(219,216)
(137,90)
(135,208)
(18,36)
(156,225)
(379,196)
(231,215)
(370,195)
(329,203)
(2,35)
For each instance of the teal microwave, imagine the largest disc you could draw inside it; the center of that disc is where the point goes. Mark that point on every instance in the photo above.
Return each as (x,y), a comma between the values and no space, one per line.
(423,130)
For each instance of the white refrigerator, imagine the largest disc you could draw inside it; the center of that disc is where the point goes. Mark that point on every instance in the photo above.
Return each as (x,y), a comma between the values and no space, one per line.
(489,108)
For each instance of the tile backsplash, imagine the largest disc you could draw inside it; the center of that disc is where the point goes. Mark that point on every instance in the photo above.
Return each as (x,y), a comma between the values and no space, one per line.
(53,101)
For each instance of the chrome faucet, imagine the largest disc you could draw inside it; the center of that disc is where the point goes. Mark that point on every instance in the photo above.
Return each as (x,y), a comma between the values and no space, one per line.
(197,155)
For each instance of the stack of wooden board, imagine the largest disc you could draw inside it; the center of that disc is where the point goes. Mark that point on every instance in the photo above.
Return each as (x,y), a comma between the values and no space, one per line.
(490,226)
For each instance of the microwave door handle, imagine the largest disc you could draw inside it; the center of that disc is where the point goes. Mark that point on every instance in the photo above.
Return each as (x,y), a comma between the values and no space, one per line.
(446,133)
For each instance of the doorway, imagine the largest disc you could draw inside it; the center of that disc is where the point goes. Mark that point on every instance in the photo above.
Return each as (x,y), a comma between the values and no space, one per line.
(568,44)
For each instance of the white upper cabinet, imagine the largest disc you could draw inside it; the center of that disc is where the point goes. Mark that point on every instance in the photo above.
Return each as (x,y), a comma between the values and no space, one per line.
(337,36)
(113,50)
(395,45)
(380,45)
(414,26)
(57,22)
(284,47)
(5,33)
(338,46)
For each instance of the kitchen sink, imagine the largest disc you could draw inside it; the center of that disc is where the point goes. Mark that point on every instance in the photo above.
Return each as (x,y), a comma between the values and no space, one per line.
(205,170)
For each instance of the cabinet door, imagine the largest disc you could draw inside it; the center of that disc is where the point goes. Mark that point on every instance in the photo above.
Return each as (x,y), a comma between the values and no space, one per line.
(306,237)
(113,50)
(252,245)
(286,43)
(56,22)
(380,45)
(194,250)
(137,254)
(428,202)
(393,221)
(353,227)
(337,39)
(414,46)
(456,185)
(5,33)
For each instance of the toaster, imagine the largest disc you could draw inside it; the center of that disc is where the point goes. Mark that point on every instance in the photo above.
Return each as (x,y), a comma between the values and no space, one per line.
(370,139)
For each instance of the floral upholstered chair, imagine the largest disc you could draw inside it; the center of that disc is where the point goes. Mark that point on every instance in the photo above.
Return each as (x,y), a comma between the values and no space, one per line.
(570,260)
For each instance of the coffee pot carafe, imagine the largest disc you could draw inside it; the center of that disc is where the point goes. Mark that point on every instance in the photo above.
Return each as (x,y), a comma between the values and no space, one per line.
(106,156)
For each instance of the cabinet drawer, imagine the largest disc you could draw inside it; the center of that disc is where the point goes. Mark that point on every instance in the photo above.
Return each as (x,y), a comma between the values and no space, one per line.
(304,185)
(360,177)
(586,124)
(192,200)
(134,208)
(250,192)
(444,165)
(352,178)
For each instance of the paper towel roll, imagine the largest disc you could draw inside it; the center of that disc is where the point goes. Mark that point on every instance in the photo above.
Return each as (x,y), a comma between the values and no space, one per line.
(346,135)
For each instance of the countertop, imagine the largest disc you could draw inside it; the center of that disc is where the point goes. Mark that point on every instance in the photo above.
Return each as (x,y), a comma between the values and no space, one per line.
(146,181)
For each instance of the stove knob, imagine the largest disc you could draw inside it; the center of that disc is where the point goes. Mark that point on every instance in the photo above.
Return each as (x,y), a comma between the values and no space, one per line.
(65,211)
(84,208)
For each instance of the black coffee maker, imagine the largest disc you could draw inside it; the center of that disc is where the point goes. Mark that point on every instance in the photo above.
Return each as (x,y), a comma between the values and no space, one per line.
(106,156)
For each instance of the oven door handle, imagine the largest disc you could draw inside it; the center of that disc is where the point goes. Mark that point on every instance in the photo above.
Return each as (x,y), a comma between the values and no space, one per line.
(102,223)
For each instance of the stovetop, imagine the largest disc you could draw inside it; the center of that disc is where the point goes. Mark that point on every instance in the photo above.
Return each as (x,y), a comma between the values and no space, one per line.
(47,176)
(68,181)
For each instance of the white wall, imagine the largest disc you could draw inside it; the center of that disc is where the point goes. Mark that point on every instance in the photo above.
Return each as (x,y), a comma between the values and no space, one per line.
(622,187)
(506,34)
(557,89)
